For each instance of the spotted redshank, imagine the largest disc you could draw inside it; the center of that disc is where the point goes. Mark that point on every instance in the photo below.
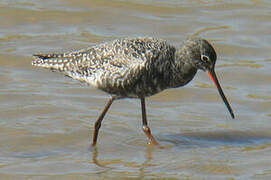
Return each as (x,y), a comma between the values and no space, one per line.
(135,68)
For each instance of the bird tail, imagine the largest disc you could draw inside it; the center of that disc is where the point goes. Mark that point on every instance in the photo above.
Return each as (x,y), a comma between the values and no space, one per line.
(52,61)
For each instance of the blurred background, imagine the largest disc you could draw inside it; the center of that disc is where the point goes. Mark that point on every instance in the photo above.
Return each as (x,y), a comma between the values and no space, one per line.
(46,119)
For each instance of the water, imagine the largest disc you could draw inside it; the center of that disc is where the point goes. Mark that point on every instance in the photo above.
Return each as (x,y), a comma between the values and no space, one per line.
(47,119)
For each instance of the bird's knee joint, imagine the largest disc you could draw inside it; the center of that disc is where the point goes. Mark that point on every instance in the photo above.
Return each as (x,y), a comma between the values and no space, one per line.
(146,129)
(97,125)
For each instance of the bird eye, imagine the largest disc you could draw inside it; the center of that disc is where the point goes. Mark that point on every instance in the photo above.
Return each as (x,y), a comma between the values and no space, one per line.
(205,58)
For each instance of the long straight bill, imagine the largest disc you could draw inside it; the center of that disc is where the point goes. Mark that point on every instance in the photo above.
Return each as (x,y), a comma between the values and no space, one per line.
(213,77)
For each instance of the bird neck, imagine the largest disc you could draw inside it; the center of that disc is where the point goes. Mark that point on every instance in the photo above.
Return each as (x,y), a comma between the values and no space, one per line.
(182,69)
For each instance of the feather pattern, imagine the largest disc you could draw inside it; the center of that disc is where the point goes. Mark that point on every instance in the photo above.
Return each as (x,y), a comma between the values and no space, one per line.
(130,67)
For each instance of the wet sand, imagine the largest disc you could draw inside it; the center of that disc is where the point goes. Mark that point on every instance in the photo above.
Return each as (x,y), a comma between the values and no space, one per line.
(46,119)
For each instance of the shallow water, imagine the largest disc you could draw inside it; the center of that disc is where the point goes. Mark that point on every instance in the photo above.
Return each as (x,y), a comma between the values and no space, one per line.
(46,119)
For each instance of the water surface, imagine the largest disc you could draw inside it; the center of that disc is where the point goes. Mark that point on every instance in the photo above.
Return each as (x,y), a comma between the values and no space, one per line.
(46,119)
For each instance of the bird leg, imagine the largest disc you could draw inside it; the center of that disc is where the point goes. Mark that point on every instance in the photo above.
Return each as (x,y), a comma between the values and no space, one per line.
(145,126)
(99,121)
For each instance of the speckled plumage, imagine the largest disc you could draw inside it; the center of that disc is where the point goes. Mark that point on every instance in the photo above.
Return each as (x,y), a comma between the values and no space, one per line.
(135,68)
(131,67)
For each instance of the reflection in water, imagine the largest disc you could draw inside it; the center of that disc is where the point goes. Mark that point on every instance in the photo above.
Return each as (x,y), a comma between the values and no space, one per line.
(94,150)
(142,167)
(148,158)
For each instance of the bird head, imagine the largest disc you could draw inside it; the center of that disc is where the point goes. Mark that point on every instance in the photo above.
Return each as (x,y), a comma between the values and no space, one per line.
(202,56)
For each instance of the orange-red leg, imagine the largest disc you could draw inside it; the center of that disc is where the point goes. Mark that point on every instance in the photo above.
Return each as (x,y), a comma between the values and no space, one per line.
(99,121)
(145,126)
